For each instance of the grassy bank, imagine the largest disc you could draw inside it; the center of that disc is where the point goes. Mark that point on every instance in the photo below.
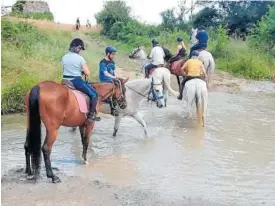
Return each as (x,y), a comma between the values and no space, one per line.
(31,55)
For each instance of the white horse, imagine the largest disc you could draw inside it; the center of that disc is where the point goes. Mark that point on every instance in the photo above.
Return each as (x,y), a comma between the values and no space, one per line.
(138,53)
(193,36)
(136,90)
(209,65)
(155,88)
(196,90)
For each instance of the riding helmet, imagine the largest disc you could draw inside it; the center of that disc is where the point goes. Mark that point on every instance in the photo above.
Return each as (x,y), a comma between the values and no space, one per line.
(154,41)
(77,42)
(110,49)
(179,39)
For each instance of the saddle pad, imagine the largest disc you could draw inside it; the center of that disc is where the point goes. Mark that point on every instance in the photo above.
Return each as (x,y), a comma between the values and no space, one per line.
(82,101)
(176,66)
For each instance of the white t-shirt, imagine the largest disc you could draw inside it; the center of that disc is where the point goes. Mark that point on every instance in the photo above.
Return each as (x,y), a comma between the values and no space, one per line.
(157,55)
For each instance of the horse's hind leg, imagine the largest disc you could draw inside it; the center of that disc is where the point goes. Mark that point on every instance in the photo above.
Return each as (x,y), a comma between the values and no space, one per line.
(28,157)
(46,149)
(178,80)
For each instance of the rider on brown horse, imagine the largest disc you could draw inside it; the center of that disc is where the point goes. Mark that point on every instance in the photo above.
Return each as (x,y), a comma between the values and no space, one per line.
(181,51)
(73,67)
(107,71)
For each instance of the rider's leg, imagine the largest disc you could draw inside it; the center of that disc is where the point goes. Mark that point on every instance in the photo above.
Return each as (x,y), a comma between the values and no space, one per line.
(87,89)
(196,47)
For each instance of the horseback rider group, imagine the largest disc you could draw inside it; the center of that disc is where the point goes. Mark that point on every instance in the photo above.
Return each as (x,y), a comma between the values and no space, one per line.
(74,66)
(192,67)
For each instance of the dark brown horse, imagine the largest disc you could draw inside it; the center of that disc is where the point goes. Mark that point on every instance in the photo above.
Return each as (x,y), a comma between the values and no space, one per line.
(57,106)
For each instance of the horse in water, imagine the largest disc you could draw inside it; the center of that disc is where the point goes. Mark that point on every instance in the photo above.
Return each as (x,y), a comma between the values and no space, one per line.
(196,90)
(136,91)
(161,80)
(57,105)
(140,54)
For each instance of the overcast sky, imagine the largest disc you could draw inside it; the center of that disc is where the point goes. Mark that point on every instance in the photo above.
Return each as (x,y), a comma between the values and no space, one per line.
(66,11)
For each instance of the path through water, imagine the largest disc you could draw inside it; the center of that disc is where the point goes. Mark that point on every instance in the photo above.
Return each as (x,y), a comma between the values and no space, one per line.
(231,162)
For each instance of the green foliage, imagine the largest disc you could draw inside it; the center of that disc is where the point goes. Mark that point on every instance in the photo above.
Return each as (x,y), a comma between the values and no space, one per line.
(113,11)
(263,35)
(21,35)
(40,15)
(208,17)
(218,40)
(28,56)
(239,59)
(13,96)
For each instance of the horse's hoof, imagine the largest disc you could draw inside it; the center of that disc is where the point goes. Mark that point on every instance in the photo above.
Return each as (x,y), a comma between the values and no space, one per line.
(56,179)
(30,177)
(55,168)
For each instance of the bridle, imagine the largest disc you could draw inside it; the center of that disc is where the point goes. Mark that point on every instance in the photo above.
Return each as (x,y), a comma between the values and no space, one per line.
(138,49)
(109,95)
(151,90)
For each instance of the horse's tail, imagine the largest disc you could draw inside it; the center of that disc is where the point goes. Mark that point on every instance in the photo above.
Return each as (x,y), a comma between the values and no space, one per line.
(167,84)
(34,130)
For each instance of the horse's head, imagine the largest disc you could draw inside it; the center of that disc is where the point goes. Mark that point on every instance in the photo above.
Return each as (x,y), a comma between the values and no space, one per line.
(137,53)
(156,92)
(119,93)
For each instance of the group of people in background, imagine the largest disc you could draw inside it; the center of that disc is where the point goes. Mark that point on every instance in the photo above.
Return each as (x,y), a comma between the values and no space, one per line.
(193,67)
(88,24)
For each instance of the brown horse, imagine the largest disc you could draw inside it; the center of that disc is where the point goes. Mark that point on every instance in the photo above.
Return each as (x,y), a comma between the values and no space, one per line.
(57,106)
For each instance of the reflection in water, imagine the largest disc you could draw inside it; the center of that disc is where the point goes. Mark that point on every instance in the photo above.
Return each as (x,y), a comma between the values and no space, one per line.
(231,161)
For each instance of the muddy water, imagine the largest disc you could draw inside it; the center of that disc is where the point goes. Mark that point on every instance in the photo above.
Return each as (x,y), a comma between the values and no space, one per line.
(231,162)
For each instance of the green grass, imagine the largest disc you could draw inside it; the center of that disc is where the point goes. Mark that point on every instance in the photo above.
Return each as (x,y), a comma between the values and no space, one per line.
(28,57)
(241,60)
(41,16)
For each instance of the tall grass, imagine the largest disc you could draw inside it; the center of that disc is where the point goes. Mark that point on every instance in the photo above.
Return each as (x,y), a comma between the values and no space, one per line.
(28,57)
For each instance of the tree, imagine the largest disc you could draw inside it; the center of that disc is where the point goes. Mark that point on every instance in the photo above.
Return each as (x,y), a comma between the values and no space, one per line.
(169,20)
(207,17)
(113,11)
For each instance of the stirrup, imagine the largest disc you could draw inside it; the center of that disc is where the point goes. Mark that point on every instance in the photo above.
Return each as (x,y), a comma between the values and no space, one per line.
(93,118)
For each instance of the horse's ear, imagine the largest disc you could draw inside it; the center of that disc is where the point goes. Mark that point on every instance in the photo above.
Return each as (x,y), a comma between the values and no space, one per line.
(125,80)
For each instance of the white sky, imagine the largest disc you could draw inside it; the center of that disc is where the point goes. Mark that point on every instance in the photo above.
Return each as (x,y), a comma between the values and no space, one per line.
(66,11)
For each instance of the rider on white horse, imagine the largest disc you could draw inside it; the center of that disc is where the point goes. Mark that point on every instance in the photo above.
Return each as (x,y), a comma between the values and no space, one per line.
(157,57)
(193,69)
(202,38)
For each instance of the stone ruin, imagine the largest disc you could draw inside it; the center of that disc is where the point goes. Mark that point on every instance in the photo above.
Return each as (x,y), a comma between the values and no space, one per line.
(31,6)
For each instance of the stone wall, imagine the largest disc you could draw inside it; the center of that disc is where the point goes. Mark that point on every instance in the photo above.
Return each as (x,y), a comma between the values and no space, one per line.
(36,7)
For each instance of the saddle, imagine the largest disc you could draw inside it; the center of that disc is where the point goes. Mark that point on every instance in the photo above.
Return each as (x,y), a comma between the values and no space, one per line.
(82,99)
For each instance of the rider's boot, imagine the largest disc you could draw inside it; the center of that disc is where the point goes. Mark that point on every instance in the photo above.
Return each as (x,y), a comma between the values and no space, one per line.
(92,113)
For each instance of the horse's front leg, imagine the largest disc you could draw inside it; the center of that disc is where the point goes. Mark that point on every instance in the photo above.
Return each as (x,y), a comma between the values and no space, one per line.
(86,139)
(117,123)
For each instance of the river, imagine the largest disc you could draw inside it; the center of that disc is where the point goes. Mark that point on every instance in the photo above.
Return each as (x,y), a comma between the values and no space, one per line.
(230,162)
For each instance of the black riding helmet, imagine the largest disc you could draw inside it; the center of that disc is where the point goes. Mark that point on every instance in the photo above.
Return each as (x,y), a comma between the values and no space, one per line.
(77,42)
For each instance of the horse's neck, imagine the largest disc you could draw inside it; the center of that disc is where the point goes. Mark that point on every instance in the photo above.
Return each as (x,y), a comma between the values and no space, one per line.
(104,89)
(142,89)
